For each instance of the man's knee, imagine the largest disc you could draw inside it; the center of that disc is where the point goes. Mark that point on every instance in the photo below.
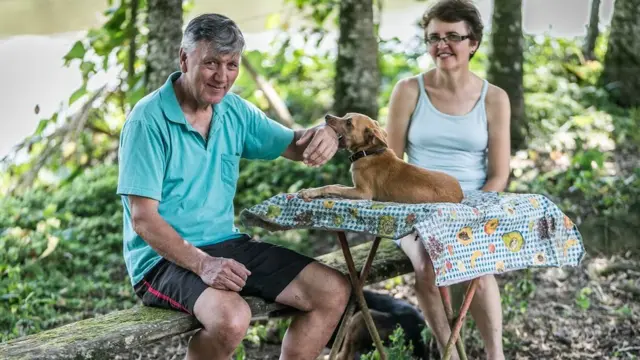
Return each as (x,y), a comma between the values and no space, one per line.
(331,293)
(225,318)
(338,296)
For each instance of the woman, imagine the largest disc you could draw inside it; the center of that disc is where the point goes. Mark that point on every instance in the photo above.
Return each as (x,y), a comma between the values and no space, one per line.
(449,119)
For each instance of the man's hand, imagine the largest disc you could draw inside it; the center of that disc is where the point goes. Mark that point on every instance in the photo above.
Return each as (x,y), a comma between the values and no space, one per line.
(224,274)
(319,143)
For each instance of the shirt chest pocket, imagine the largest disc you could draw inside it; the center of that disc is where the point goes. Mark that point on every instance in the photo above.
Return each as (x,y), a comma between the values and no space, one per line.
(230,169)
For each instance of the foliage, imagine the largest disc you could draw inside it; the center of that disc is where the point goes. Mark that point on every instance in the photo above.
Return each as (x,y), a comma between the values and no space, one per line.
(60,255)
(582,146)
(399,349)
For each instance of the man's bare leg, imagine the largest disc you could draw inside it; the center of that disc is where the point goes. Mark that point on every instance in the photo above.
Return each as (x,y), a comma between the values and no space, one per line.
(322,293)
(225,317)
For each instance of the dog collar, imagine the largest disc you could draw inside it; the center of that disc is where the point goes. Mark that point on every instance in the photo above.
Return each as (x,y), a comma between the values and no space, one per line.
(363,153)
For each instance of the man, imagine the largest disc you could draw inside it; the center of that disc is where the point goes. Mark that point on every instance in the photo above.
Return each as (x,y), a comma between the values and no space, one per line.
(179,154)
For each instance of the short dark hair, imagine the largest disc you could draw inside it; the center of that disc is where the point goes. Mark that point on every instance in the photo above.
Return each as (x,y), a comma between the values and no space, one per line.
(454,11)
(217,29)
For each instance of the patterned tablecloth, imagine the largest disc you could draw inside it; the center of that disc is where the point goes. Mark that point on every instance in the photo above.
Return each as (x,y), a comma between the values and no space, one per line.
(488,233)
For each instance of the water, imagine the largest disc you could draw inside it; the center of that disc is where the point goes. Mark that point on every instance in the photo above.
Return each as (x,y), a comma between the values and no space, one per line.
(35,34)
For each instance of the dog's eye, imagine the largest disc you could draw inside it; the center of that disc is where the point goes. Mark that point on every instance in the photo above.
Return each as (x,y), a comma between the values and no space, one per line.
(349,122)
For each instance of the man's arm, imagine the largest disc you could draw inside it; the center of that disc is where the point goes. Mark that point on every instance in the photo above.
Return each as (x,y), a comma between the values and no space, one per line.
(315,146)
(219,273)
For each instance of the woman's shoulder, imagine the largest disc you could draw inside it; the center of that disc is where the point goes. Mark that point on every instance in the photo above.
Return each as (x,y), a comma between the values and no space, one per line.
(496,96)
(497,103)
(409,84)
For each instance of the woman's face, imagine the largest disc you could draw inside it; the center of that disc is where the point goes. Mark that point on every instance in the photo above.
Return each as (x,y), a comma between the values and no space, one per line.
(448,44)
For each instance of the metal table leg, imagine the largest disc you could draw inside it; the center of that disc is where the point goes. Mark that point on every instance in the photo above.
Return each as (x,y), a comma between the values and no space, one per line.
(357,283)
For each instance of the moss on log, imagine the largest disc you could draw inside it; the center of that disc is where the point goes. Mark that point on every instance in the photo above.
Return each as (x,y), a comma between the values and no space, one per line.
(100,337)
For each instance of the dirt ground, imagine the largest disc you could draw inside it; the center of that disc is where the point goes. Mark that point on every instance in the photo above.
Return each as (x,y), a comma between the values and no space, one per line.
(589,312)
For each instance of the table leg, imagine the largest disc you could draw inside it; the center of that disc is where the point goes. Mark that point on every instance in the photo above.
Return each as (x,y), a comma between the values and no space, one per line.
(337,344)
(357,285)
(468,296)
(448,310)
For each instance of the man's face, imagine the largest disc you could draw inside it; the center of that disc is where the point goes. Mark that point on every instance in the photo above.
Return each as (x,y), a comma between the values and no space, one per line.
(210,75)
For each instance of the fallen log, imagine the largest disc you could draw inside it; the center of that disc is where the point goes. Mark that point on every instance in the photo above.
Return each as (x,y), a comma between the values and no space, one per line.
(100,337)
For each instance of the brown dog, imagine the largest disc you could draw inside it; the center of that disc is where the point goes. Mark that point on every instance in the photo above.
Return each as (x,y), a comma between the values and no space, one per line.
(378,174)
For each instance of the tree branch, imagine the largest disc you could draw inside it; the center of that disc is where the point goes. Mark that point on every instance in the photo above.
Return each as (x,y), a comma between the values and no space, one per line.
(275,101)
(62,135)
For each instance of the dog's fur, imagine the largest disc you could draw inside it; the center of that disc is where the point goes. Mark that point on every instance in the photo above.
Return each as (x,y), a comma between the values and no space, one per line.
(383,176)
(387,312)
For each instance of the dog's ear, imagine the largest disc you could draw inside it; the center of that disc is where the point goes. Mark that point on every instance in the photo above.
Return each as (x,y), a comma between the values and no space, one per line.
(376,136)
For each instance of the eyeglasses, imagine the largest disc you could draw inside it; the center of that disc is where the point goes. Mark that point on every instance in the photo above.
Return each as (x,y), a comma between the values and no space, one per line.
(454,38)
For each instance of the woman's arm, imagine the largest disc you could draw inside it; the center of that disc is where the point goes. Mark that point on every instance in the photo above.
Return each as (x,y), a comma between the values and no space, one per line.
(404,98)
(499,146)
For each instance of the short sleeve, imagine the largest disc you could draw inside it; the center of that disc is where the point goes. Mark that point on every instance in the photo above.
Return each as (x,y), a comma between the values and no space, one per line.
(265,138)
(141,160)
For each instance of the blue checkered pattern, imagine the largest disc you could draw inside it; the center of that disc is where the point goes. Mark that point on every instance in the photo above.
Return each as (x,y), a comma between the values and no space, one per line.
(488,233)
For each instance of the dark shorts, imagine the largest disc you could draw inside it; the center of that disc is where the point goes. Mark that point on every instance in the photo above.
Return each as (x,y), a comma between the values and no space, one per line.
(272,268)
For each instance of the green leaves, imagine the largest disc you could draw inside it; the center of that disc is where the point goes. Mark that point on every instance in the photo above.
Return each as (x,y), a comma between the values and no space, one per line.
(77,94)
(60,255)
(77,52)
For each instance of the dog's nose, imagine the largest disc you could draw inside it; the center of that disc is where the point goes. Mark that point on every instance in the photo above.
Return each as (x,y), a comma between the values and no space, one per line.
(327,117)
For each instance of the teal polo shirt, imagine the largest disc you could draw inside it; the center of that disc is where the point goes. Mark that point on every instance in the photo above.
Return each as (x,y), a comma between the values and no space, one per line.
(163,157)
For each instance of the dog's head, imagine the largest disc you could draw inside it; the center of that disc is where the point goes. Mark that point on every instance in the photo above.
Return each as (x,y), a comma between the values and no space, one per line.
(357,132)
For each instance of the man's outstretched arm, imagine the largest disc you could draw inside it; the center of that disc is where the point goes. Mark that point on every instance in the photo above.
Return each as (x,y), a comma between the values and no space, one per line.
(314,146)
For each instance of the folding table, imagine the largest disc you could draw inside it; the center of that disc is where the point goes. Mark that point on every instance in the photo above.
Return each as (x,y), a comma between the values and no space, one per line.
(488,233)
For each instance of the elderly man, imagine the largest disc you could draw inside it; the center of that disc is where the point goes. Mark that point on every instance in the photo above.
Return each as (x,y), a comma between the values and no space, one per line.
(179,154)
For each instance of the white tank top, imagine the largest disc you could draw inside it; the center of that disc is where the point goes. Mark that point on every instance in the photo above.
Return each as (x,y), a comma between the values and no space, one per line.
(456,145)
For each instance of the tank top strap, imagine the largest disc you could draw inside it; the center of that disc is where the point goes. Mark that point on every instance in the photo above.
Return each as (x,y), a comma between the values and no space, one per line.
(485,88)
(421,86)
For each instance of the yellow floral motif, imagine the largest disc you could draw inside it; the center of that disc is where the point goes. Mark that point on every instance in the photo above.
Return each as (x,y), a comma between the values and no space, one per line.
(534,202)
(569,243)
(513,240)
(273,211)
(377,206)
(328,204)
(476,254)
(338,220)
(465,236)
(353,212)
(500,266)
(491,226)
(387,226)
(568,224)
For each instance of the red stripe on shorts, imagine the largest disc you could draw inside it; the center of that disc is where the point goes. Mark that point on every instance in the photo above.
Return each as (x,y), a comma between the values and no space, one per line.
(164,297)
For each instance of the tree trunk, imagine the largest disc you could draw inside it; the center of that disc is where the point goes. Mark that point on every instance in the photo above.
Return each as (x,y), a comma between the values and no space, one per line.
(164,21)
(506,58)
(592,31)
(622,60)
(357,73)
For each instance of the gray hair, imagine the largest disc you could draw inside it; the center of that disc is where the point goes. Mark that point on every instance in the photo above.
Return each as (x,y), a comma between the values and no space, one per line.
(216,30)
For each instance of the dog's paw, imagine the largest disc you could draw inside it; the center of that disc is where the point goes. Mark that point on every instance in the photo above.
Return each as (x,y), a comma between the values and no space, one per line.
(308,194)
